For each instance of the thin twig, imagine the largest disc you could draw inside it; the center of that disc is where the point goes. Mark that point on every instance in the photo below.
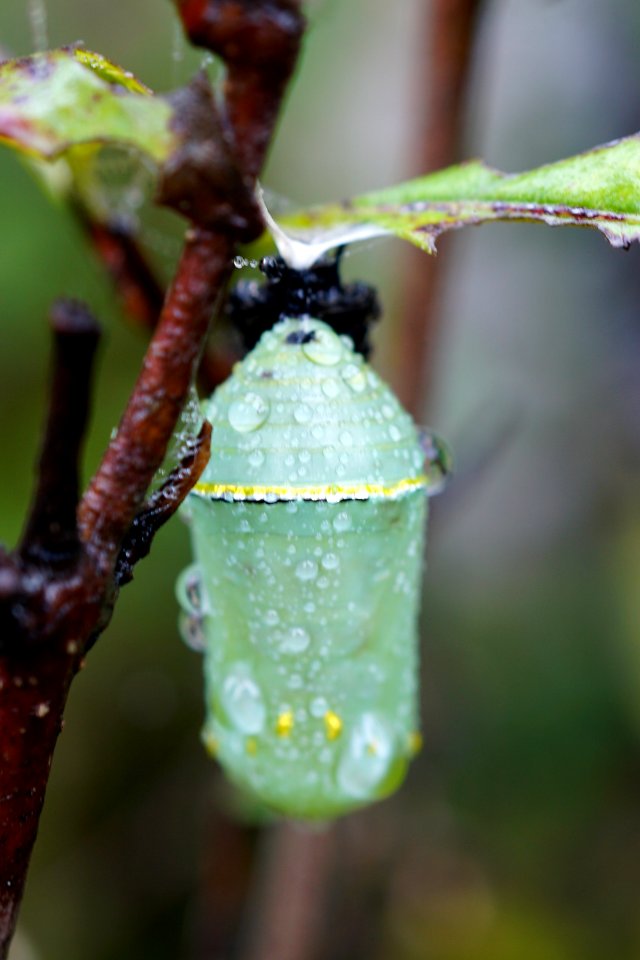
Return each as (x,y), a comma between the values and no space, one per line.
(134,280)
(291,894)
(51,533)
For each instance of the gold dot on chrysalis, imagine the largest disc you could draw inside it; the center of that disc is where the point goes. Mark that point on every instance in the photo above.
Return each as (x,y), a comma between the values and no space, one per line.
(211,743)
(415,743)
(284,723)
(332,725)
(372,748)
(251,746)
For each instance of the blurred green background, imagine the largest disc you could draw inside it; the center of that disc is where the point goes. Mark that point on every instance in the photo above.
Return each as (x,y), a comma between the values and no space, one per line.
(517,836)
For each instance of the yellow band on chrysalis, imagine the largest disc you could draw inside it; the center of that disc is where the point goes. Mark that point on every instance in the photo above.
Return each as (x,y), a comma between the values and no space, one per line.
(331,492)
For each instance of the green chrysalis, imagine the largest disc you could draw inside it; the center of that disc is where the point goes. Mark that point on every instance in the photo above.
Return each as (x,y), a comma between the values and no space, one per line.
(308,527)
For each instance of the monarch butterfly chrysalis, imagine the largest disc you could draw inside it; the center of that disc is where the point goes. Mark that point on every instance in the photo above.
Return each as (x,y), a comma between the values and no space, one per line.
(307,528)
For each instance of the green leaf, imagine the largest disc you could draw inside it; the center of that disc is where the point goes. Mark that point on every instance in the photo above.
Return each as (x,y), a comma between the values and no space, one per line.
(53,102)
(598,189)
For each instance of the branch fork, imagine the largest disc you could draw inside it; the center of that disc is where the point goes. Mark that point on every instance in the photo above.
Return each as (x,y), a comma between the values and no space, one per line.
(58,588)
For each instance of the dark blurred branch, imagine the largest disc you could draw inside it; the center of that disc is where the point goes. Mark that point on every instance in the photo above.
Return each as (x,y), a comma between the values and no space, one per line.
(51,612)
(292,893)
(443,72)
(51,534)
(227,859)
(450,27)
(47,599)
(136,284)
(442,80)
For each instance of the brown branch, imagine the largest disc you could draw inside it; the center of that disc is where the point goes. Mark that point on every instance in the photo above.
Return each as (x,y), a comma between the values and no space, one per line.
(39,620)
(31,706)
(117,490)
(291,894)
(136,284)
(51,534)
(227,858)
(259,41)
(449,30)
(49,616)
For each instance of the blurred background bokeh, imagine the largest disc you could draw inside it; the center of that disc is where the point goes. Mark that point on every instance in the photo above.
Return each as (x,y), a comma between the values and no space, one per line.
(517,836)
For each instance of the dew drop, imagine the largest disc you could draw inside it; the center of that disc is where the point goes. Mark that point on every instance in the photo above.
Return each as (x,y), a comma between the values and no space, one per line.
(394,432)
(242,700)
(325,349)
(342,522)
(248,413)
(346,439)
(189,590)
(354,378)
(302,413)
(192,632)
(318,707)
(367,756)
(330,388)
(438,461)
(256,458)
(307,570)
(293,640)
(271,618)
(330,561)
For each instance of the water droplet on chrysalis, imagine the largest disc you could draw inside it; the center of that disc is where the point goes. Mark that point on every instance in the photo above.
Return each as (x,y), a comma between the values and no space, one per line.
(249,412)
(438,462)
(242,700)
(307,570)
(325,348)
